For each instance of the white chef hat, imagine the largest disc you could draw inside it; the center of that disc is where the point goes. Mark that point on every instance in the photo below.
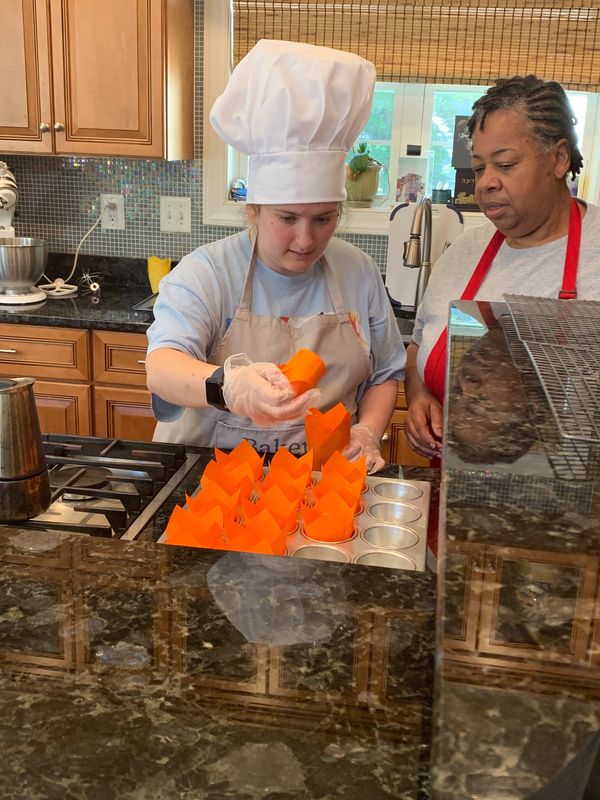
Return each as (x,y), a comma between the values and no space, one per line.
(295,110)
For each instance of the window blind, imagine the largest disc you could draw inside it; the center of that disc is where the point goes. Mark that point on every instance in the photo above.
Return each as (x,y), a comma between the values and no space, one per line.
(436,41)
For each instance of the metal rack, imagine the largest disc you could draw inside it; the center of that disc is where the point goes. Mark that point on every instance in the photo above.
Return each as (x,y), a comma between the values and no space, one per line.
(566,323)
(558,341)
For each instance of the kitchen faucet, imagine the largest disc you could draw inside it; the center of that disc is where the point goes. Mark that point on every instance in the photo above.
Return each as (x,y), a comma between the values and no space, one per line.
(417,250)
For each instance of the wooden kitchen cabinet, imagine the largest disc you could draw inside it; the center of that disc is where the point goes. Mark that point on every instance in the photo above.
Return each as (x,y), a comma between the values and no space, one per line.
(107,79)
(87,382)
(64,407)
(59,360)
(395,447)
(122,407)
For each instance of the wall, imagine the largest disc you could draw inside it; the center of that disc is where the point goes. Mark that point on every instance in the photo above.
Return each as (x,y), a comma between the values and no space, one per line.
(60,197)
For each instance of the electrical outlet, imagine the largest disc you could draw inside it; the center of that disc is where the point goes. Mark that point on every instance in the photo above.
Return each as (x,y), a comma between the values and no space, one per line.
(175,214)
(113,218)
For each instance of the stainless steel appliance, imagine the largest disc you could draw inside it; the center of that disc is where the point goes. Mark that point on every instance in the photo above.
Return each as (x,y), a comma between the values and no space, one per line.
(22,264)
(24,480)
(8,200)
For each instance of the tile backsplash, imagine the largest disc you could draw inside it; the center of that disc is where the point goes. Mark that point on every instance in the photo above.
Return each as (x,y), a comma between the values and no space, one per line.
(59,198)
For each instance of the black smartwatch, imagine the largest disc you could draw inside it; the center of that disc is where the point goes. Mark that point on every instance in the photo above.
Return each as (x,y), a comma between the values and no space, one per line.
(214,389)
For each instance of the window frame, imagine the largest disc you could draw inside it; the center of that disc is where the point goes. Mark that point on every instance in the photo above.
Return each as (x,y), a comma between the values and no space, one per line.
(219,161)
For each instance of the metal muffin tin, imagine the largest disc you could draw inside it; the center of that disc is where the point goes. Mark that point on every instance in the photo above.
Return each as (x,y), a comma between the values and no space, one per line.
(390,528)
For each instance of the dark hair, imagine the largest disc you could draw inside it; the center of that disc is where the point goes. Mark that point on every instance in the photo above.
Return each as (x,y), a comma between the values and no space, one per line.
(543,103)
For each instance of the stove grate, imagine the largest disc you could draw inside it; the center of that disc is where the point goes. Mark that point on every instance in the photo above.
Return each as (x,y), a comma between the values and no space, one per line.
(139,477)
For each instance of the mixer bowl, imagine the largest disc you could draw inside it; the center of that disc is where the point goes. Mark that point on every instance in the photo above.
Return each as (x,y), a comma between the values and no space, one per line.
(22,263)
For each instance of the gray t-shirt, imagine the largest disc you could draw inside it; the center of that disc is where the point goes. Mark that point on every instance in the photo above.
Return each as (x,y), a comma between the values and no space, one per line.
(198,299)
(534,271)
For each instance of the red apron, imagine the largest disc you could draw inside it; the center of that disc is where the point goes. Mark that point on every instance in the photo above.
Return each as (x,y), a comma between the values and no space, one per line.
(435,367)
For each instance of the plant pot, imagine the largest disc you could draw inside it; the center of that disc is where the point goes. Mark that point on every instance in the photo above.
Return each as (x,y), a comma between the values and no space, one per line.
(362,188)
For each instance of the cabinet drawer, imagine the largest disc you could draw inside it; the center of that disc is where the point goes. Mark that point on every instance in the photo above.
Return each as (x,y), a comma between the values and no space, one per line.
(44,352)
(120,358)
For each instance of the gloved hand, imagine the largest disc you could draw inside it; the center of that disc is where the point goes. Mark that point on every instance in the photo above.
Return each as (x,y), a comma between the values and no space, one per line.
(260,391)
(363,442)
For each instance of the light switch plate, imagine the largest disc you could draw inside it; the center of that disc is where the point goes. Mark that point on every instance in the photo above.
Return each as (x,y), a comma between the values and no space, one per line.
(175,214)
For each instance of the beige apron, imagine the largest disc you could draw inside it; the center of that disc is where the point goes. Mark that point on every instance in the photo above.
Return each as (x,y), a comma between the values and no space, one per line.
(275,340)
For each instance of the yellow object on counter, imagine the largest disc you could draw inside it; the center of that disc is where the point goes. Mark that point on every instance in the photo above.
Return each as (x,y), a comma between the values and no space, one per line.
(157,269)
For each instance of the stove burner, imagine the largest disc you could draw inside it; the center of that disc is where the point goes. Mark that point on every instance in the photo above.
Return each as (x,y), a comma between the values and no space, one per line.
(91,478)
(118,485)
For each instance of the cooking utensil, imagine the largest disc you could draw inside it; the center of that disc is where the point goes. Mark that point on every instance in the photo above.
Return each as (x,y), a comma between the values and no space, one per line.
(24,480)
(22,263)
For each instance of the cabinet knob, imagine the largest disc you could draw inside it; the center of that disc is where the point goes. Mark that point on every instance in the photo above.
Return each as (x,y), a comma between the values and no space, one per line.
(44,127)
(7,350)
(385,437)
(141,361)
(58,127)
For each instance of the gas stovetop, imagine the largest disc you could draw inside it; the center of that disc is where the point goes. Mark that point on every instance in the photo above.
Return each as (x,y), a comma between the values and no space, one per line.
(108,487)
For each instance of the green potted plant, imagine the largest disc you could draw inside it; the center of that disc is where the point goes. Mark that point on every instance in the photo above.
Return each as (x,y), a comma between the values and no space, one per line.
(362,175)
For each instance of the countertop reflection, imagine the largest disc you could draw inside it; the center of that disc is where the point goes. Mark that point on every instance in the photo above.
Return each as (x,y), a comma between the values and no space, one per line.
(142,670)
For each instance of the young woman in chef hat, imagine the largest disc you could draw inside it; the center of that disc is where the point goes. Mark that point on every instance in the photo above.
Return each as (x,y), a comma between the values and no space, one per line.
(234,309)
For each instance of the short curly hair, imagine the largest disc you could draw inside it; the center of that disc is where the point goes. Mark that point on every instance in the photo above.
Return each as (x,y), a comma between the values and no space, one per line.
(543,103)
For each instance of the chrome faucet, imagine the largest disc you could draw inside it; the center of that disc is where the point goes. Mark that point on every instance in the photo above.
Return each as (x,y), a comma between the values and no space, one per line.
(417,250)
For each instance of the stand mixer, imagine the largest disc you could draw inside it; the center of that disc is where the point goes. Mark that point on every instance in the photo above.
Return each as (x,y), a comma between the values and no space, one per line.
(18,264)
(8,200)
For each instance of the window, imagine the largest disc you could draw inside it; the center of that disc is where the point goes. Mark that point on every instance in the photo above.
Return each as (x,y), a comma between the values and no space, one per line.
(407,118)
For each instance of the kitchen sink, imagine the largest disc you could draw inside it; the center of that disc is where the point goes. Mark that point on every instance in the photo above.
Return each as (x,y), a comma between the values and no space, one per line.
(147,304)
(405,326)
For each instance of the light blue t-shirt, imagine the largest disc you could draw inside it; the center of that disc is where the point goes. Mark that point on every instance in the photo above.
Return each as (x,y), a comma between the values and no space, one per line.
(198,299)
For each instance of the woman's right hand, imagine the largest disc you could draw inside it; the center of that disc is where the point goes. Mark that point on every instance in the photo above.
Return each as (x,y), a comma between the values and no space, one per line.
(260,391)
(424,424)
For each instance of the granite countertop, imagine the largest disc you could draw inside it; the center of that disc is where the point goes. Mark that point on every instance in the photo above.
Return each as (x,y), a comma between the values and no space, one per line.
(518,671)
(137,670)
(123,283)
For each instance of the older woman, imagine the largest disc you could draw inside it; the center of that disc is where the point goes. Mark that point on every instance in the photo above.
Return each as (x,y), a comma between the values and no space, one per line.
(540,240)
(234,309)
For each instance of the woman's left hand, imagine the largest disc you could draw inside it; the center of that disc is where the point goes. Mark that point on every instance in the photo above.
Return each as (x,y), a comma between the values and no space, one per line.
(363,442)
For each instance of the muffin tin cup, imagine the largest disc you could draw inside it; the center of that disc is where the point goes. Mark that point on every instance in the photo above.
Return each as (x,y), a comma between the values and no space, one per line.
(390,537)
(386,558)
(322,552)
(402,491)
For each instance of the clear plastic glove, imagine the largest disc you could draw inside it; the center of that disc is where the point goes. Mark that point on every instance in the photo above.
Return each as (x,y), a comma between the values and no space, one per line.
(363,442)
(259,390)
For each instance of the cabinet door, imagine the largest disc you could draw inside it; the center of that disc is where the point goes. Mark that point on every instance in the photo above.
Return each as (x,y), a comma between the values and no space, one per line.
(25,113)
(123,77)
(396,449)
(107,78)
(63,407)
(121,413)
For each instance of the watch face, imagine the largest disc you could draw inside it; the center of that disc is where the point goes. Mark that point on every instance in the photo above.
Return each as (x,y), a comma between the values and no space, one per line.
(214,389)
